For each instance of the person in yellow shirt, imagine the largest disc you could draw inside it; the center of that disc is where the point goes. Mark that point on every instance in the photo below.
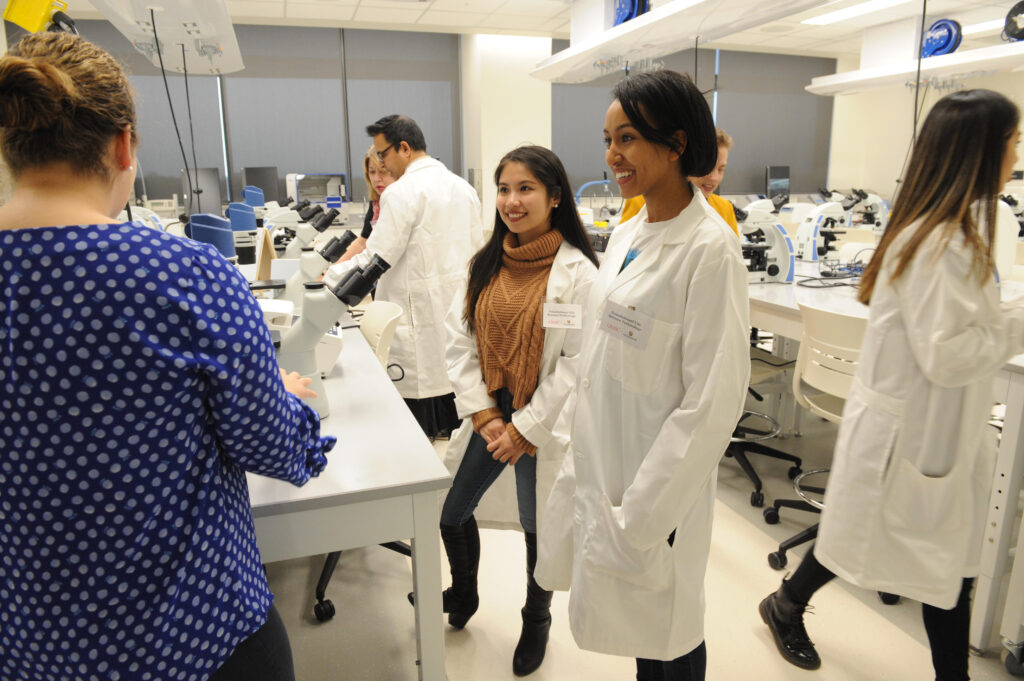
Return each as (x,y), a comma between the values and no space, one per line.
(707,184)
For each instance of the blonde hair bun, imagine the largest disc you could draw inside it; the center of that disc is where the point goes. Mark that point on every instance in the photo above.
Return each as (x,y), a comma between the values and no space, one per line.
(33,94)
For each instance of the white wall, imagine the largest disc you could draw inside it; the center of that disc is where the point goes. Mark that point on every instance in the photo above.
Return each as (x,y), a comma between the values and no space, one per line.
(871,131)
(503,106)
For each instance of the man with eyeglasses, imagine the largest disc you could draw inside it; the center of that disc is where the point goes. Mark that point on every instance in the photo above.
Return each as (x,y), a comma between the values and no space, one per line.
(428,230)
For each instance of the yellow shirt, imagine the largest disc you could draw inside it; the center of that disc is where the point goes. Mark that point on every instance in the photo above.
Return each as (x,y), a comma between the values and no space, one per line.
(721,206)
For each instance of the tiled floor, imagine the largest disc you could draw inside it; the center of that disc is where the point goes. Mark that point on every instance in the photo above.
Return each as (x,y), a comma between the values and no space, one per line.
(372,636)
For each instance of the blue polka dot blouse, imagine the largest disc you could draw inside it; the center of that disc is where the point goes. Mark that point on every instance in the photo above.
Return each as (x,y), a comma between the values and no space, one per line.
(138,383)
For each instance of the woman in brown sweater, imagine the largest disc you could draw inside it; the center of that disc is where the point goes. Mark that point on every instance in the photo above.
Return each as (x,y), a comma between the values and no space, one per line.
(513,338)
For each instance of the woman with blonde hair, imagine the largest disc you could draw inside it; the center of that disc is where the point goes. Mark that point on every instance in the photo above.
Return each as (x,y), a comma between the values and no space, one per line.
(912,470)
(377,179)
(138,385)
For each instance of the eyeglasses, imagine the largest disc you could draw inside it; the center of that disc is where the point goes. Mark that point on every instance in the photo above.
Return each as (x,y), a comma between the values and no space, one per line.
(380,154)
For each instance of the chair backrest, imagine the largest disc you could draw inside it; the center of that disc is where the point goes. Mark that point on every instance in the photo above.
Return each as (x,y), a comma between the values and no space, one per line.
(378,327)
(827,360)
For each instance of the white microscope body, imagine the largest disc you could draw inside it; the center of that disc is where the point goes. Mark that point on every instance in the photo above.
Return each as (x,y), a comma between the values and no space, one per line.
(321,309)
(312,265)
(811,242)
(767,249)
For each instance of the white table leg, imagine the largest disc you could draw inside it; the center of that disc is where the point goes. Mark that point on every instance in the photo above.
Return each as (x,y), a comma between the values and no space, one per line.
(426,581)
(1002,509)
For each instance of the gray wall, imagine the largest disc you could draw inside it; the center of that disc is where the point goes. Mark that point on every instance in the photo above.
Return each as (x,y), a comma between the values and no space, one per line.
(416,74)
(761,103)
(773,120)
(287,108)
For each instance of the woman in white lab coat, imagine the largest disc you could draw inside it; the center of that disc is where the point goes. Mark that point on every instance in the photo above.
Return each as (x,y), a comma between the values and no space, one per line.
(513,341)
(662,377)
(912,470)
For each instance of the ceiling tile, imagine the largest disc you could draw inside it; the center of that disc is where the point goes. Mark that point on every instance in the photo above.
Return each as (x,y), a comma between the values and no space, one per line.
(310,10)
(509,22)
(387,16)
(394,4)
(538,9)
(254,9)
(467,5)
(453,19)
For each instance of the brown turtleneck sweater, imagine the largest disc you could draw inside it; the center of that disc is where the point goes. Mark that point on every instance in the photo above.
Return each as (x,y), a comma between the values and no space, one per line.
(509,321)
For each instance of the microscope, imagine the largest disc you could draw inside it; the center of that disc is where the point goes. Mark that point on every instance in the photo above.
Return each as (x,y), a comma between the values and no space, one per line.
(819,229)
(322,307)
(312,265)
(767,249)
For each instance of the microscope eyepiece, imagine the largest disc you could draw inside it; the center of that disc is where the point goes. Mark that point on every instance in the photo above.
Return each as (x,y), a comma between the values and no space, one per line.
(324,220)
(309,212)
(359,282)
(337,246)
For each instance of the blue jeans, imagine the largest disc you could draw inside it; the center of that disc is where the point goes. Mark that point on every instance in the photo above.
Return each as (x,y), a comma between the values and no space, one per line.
(479,470)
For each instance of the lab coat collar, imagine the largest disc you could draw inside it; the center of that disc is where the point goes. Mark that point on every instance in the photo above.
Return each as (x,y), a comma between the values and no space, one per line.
(421,164)
(677,232)
(684,223)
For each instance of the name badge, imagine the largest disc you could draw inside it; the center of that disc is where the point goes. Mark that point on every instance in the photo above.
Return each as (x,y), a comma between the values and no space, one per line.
(627,323)
(563,316)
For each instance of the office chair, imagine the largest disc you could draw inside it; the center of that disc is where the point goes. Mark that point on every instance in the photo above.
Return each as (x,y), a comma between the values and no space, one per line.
(378,327)
(748,435)
(825,367)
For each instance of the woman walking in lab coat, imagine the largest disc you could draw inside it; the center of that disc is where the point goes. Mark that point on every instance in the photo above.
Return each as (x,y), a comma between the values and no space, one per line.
(513,340)
(662,377)
(913,463)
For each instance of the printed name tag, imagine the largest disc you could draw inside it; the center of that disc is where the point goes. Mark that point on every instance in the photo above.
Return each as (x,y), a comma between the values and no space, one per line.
(563,316)
(627,324)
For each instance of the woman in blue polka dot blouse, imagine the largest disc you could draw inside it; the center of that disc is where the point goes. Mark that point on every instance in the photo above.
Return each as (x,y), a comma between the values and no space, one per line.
(138,383)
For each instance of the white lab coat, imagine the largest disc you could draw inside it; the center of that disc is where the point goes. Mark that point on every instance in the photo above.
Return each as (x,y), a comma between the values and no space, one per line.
(907,497)
(648,429)
(569,282)
(428,230)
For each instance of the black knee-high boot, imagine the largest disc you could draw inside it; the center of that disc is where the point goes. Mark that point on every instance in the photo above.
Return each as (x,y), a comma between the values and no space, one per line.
(462,544)
(533,640)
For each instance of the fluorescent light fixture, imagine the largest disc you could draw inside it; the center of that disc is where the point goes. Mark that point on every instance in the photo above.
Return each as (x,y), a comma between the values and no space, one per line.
(851,12)
(984,26)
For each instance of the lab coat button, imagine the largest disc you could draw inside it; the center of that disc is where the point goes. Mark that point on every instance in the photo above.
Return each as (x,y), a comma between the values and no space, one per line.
(586,383)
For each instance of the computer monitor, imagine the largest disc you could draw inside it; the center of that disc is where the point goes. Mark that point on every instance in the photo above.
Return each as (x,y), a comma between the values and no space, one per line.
(264,177)
(209,200)
(776,184)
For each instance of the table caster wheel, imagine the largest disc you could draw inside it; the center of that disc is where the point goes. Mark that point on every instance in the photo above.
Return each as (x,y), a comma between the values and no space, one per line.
(794,471)
(771,515)
(757,498)
(777,560)
(323,610)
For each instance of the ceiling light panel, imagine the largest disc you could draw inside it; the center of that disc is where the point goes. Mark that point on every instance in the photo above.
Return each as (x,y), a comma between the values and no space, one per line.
(851,12)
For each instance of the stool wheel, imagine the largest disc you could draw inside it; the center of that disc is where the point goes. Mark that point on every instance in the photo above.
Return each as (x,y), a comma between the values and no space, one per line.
(323,610)
(777,560)
(757,498)
(771,515)
(1012,664)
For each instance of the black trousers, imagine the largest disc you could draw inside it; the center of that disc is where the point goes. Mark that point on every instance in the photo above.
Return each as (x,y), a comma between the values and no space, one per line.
(264,656)
(948,630)
(689,667)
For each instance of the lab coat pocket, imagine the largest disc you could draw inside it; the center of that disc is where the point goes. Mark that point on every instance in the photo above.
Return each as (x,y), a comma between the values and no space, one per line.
(642,370)
(922,503)
(609,552)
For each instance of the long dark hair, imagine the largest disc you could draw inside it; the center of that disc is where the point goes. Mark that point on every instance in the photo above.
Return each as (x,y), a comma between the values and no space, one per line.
(544,165)
(956,161)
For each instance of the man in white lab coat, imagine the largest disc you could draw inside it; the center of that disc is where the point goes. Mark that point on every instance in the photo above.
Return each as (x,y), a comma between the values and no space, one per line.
(428,230)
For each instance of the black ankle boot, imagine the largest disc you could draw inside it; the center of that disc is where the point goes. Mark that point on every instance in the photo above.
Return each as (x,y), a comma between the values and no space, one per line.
(533,640)
(785,617)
